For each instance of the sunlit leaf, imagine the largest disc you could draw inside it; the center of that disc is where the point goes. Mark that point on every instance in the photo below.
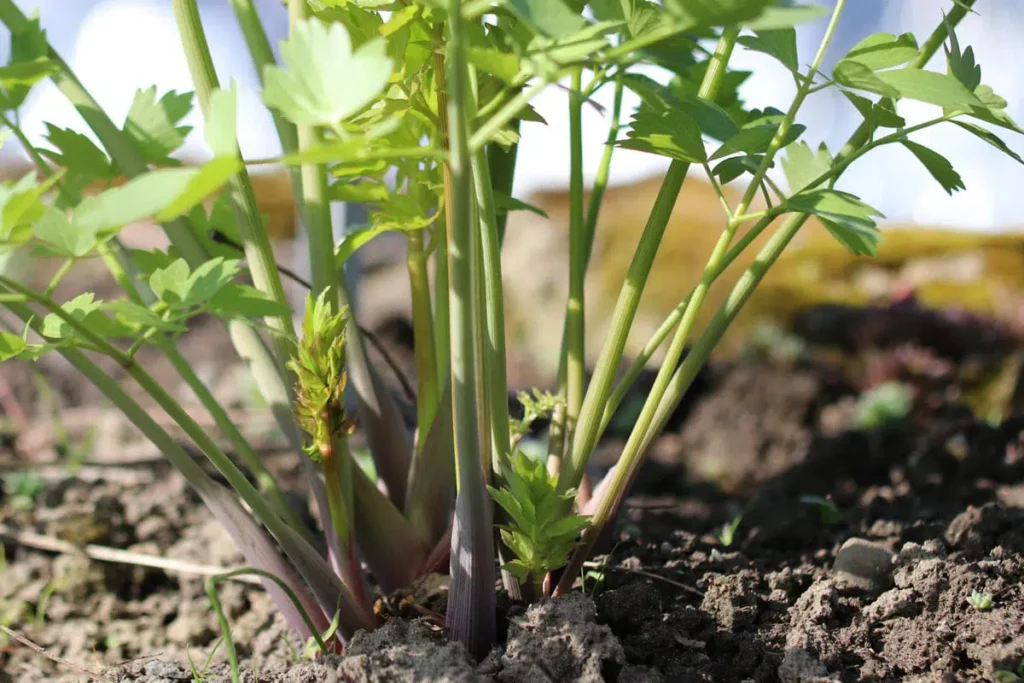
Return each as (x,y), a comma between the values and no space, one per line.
(548,17)
(152,124)
(237,300)
(884,50)
(85,310)
(323,81)
(10,346)
(785,14)
(28,64)
(938,166)
(221,123)
(131,313)
(851,221)
(204,181)
(61,238)
(802,165)
(780,44)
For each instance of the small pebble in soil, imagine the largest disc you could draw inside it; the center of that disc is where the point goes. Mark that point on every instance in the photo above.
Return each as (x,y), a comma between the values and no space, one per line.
(864,565)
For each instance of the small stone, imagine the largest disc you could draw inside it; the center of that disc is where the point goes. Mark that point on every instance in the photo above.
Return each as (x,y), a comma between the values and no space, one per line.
(865,565)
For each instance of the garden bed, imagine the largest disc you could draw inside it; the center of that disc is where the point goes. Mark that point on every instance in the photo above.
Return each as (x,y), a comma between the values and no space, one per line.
(927,515)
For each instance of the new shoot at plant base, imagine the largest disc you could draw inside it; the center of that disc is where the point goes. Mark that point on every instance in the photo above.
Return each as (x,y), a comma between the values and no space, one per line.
(414,108)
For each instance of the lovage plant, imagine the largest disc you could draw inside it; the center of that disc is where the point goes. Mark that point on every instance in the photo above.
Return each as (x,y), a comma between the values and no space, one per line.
(414,107)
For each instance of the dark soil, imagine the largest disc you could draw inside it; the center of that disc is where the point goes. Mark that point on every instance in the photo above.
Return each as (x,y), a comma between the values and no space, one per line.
(874,587)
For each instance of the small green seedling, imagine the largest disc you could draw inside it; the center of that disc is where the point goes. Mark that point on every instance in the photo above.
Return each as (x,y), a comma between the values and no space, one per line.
(1005,676)
(539,532)
(884,405)
(980,601)
(728,533)
(22,489)
(827,510)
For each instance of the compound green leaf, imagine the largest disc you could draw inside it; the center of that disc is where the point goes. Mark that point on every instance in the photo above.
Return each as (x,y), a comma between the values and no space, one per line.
(962,65)
(692,13)
(29,63)
(323,81)
(171,284)
(139,198)
(82,160)
(665,133)
(853,74)
(785,14)
(61,238)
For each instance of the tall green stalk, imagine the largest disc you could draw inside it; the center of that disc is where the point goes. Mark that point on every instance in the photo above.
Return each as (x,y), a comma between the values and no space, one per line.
(585,437)
(494,359)
(428,388)
(255,242)
(262,55)
(471,602)
(603,172)
(502,164)
(574,310)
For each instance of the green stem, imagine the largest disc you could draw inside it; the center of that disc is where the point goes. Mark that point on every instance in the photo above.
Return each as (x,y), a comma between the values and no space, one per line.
(624,473)
(603,171)
(225,627)
(262,55)
(585,437)
(428,388)
(494,363)
(574,311)
(306,559)
(250,538)
(443,229)
(269,374)
(255,241)
(471,605)
(502,163)
(117,265)
(337,465)
(671,322)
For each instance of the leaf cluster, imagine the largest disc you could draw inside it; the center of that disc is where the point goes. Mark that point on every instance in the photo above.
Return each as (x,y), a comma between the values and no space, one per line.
(319,364)
(539,532)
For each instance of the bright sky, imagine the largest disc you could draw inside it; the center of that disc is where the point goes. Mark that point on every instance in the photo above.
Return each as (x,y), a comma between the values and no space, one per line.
(116,46)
